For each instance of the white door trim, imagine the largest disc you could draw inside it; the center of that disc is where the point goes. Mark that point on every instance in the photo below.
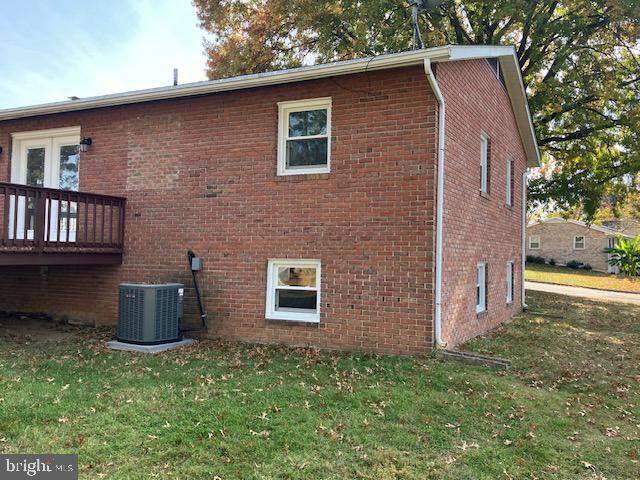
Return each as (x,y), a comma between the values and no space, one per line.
(20,138)
(51,132)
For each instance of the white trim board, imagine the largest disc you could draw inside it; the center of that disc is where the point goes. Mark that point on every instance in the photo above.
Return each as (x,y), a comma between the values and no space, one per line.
(51,132)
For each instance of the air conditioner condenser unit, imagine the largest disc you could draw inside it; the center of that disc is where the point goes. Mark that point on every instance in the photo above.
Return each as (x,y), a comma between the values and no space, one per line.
(150,314)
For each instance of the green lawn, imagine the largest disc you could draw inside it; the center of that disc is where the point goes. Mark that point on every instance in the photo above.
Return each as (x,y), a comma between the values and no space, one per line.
(567,410)
(581,278)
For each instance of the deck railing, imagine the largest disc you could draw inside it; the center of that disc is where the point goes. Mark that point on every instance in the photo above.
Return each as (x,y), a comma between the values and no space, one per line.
(36,219)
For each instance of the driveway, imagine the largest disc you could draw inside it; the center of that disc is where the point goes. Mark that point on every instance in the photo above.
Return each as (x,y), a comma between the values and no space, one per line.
(584,292)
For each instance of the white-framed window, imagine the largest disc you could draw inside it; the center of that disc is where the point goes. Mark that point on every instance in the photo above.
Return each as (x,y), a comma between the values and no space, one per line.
(293,290)
(509,195)
(510,282)
(484,163)
(481,287)
(579,242)
(534,242)
(304,136)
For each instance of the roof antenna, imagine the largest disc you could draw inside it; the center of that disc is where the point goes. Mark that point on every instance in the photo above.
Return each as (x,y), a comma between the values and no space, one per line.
(175,77)
(418,6)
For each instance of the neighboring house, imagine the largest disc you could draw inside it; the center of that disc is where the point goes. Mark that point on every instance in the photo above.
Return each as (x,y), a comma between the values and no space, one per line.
(570,240)
(373,204)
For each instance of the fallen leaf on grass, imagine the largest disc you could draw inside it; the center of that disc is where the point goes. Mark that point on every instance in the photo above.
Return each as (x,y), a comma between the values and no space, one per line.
(612,431)
(588,466)
(466,446)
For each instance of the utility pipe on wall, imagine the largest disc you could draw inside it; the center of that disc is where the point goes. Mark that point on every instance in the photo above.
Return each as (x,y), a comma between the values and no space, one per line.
(439,201)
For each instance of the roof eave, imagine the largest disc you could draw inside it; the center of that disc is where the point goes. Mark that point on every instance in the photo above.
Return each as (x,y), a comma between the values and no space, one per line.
(506,55)
(360,65)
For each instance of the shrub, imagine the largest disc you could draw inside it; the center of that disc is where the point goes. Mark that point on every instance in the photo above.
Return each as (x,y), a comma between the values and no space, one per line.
(574,264)
(586,266)
(535,259)
(552,262)
(626,256)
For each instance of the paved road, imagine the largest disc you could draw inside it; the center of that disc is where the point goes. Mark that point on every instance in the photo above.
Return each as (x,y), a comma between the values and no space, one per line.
(584,292)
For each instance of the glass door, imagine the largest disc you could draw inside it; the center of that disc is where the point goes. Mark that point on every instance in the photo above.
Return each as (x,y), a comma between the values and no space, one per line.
(34,155)
(64,176)
(52,162)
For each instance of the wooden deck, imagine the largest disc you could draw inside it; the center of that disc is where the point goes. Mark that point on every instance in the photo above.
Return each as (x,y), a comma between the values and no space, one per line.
(44,226)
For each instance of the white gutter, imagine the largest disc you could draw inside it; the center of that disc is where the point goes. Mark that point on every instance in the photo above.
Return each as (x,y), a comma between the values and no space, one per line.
(524,236)
(439,202)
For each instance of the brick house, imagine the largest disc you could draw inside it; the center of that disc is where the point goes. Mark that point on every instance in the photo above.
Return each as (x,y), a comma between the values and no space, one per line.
(373,204)
(571,240)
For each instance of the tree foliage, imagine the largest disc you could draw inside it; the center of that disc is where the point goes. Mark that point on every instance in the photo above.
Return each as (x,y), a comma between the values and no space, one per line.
(579,61)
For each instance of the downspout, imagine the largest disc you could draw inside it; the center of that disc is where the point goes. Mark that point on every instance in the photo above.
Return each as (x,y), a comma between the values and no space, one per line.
(439,202)
(524,236)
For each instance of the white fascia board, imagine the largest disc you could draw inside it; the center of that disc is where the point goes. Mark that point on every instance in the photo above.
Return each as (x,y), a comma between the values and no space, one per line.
(474,52)
(515,87)
(394,60)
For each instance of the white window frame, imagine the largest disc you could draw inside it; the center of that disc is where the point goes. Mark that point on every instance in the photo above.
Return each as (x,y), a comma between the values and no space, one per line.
(510,276)
(484,163)
(284,109)
(272,283)
(531,242)
(584,242)
(509,195)
(481,287)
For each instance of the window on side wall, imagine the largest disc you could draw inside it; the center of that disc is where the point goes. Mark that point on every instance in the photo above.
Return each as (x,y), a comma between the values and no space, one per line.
(578,242)
(485,163)
(304,136)
(510,282)
(509,195)
(481,287)
(293,290)
(534,242)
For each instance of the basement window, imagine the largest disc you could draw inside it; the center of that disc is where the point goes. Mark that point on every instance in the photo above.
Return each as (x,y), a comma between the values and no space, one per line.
(304,136)
(481,288)
(293,290)
(578,242)
(510,282)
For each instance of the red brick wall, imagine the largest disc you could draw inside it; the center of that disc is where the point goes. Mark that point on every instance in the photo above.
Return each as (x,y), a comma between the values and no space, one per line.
(200,174)
(478,228)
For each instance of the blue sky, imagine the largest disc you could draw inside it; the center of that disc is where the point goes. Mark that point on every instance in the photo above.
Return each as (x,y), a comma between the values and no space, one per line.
(50,50)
